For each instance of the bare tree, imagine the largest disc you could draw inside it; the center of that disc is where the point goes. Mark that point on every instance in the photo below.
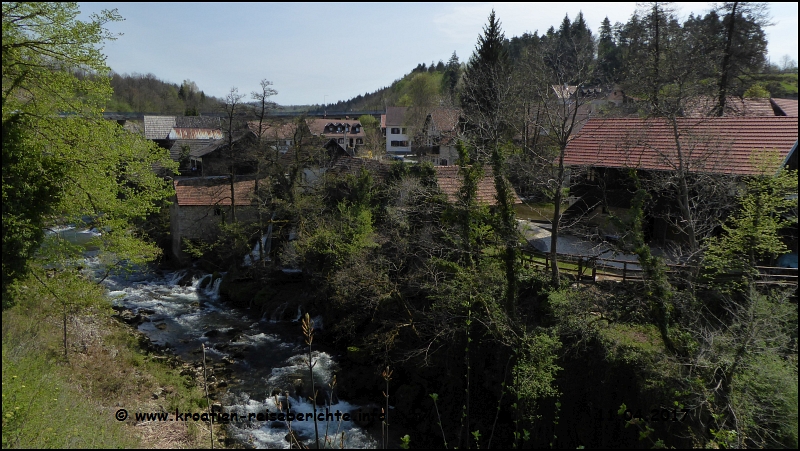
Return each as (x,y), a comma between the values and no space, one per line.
(557,71)
(263,107)
(232,107)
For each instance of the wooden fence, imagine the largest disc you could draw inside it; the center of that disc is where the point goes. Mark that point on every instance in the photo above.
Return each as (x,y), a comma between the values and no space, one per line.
(585,268)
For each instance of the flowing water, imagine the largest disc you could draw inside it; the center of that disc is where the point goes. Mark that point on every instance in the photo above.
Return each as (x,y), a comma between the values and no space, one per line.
(265,357)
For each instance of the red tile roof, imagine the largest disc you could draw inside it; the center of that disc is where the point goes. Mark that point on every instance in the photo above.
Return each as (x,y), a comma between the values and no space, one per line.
(450,181)
(718,145)
(208,191)
(787,106)
(734,107)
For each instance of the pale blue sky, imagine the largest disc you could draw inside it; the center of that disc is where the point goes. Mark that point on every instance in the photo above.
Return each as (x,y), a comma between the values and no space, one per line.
(317,52)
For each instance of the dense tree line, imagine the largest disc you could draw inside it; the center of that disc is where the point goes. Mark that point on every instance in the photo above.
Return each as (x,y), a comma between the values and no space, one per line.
(148,94)
(731,38)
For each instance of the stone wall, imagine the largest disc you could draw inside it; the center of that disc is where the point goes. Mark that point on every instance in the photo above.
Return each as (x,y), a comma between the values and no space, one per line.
(202,223)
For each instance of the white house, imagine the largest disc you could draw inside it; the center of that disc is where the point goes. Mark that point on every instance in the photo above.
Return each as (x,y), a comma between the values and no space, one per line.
(397,140)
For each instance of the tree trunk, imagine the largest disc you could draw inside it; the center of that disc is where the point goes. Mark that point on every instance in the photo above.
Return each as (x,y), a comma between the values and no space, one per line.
(726,63)
(554,275)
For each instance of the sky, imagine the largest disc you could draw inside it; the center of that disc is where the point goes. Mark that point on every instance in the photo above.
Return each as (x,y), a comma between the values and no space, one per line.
(317,53)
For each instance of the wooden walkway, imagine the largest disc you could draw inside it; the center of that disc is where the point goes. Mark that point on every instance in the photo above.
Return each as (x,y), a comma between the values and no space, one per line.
(592,269)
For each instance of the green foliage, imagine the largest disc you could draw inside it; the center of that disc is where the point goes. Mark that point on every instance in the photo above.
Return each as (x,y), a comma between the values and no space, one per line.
(405,442)
(335,241)
(765,399)
(31,389)
(88,171)
(756,91)
(752,235)
(745,371)
(25,204)
(535,371)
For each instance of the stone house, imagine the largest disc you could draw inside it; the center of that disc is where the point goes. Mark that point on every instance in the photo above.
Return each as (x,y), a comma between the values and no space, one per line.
(201,204)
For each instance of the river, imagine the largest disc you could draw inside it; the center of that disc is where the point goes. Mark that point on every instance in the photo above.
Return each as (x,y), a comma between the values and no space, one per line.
(264,357)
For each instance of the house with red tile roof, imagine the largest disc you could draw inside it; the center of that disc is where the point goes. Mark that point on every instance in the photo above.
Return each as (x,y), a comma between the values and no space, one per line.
(201,204)
(438,137)
(607,148)
(182,134)
(727,145)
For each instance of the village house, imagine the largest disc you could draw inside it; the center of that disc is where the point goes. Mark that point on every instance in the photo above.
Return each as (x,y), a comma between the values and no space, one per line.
(201,204)
(606,149)
(182,135)
(340,136)
(450,182)
(437,140)
(216,158)
(398,142)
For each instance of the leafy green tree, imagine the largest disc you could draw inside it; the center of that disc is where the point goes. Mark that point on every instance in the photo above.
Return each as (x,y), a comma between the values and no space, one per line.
(752,235)
(62,162)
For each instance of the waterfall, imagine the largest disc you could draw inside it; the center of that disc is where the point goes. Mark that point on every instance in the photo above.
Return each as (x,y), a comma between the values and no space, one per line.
(197,283)
(212,290)
(262,247)
(277,314)
(176,277)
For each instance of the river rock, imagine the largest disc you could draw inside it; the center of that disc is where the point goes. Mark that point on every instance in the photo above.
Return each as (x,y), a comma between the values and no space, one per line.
(128,317)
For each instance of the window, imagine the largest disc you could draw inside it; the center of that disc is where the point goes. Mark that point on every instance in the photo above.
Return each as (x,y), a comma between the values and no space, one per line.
(359,141)
(341,140)
(404,130)
(399,143)
(217,211)
(395,131)
(443,162)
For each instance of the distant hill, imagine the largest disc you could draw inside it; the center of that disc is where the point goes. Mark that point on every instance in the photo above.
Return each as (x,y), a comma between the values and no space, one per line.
(148,94)
(427,84)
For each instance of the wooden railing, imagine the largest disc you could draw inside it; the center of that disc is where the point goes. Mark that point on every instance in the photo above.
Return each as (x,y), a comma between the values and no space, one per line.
(590,268)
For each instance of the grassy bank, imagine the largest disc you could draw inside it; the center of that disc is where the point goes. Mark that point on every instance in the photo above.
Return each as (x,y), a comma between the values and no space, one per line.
(53,402)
